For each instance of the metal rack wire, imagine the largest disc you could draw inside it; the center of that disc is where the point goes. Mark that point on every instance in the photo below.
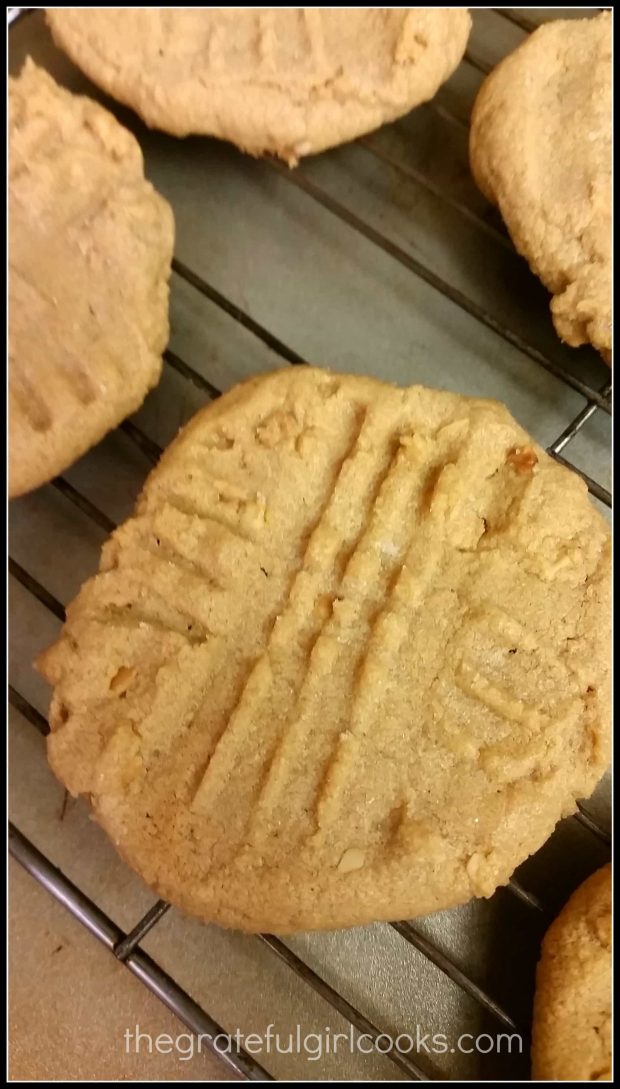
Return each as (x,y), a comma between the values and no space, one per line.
(126,945)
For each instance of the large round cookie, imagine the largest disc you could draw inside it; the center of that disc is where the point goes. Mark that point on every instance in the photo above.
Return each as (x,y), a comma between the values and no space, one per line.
(90,245)
(290,81)
(348,661)
(540,148)
(571,1035)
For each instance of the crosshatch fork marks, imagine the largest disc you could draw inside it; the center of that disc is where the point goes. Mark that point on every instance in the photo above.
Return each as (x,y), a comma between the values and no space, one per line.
(29,399)
(223,758)
(375,559)
(344,625)
(77,378)
(386,633)
(209,514)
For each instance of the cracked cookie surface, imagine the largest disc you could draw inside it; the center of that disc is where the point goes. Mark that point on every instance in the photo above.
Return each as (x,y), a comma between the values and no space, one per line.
(289,82)
(571,1035)
(347,661)
(90,246)
(540,149)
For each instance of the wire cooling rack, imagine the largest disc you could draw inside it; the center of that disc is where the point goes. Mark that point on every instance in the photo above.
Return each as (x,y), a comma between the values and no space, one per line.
(453,270)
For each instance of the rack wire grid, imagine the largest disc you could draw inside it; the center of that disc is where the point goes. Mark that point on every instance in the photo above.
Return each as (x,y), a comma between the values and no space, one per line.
(379,257)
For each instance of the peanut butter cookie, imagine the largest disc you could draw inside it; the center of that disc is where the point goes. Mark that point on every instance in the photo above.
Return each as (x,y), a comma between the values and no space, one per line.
(285,81)
(571,1036)
(348,660)
(540,149)
(90,246)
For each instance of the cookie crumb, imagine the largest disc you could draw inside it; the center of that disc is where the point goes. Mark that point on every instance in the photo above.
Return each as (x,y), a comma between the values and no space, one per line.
(523,459)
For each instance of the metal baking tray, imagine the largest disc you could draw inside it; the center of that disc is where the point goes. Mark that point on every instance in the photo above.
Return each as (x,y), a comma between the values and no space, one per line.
(381,258)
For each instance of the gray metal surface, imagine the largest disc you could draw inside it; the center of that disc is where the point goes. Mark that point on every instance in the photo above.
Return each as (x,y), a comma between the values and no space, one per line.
(380,257)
